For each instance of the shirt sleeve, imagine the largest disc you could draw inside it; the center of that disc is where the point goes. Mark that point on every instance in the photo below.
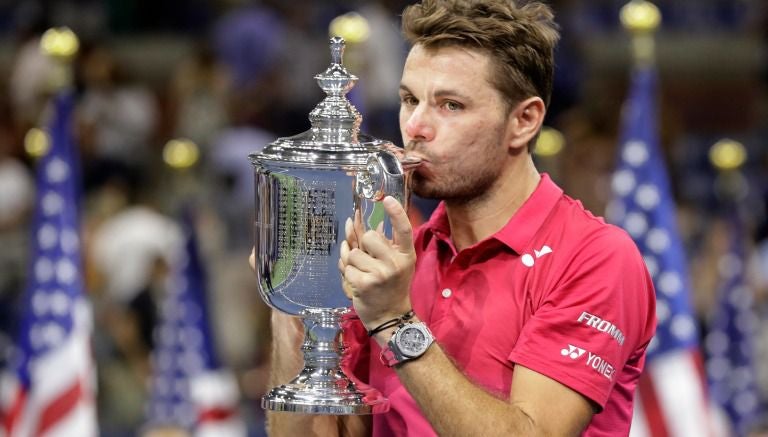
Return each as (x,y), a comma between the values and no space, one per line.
(591,318)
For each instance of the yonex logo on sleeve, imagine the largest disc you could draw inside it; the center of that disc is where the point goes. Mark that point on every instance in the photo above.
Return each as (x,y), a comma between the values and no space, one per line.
(596,362)
(600,365)
(572,351)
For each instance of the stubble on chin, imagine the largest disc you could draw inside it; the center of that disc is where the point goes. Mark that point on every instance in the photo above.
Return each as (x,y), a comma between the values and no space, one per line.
(456,190)
(423,188)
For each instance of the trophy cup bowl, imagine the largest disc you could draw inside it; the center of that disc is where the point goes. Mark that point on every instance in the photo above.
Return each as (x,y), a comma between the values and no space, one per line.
(306,187)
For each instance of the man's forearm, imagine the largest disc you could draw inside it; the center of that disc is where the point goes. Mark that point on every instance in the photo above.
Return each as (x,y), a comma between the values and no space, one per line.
(454,405)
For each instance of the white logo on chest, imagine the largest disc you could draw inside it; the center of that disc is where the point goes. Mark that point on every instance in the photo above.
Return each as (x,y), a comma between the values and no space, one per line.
(528,259)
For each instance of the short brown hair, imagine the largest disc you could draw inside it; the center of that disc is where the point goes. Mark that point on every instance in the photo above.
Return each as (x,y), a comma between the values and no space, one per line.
(519,39)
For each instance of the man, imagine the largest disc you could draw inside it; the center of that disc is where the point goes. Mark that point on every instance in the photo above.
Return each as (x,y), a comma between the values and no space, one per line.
(541,312)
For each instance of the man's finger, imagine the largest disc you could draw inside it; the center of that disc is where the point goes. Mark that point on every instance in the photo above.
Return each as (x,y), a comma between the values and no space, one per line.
(402,233)
(355,280)
(345,285)
(353,230)
(349,233)
(252,259)
(362,261)
(343,254)
(377,246)
(358,228)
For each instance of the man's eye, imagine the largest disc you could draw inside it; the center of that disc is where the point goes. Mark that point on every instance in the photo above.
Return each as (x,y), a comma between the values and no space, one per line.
(409,100)
(452,106)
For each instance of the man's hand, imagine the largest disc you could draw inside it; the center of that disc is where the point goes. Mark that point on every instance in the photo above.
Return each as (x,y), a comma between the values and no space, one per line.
(376,271)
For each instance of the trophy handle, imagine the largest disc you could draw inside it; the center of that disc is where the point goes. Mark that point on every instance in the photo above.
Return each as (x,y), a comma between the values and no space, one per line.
(383,176)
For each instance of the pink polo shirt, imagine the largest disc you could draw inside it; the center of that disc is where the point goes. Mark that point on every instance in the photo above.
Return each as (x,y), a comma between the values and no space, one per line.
(556,290)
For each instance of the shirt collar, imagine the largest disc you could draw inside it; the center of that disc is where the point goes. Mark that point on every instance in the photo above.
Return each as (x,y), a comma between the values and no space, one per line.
(527,221)
(521,227)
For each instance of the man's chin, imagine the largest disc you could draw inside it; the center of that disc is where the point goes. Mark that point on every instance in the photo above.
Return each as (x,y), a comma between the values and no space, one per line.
(425,191)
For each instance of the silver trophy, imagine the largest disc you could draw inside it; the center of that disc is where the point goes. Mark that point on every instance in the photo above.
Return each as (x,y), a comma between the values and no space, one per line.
(307,186)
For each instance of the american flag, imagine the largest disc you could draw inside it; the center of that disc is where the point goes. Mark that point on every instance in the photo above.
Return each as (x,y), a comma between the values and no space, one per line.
(671,396)
(49,388)
(729,343)
(190,390)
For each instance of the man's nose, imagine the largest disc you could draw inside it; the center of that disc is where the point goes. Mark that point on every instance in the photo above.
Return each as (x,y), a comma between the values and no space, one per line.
(419,125)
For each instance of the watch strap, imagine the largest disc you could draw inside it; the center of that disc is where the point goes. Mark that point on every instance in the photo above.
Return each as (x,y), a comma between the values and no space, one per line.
(387,357)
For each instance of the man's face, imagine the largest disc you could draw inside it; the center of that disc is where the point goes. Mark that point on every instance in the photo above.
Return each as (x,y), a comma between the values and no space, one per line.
(455,120)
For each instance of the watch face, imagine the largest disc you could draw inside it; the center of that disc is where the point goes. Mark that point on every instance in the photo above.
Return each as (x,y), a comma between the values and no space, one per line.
(411,341)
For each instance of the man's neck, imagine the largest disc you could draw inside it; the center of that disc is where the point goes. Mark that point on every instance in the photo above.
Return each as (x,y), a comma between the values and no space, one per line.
(482,217)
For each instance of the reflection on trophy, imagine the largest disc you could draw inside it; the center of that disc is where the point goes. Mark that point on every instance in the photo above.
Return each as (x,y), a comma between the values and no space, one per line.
(306,187)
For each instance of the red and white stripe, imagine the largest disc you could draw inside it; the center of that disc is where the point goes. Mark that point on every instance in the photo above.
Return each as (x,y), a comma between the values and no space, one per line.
(216,395)
(671,399)
(61,398)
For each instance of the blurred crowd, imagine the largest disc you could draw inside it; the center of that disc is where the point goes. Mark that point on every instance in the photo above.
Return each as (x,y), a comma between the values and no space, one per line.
(233,75)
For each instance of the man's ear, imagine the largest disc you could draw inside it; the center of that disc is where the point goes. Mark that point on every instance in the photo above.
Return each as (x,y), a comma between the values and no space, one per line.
(525,121)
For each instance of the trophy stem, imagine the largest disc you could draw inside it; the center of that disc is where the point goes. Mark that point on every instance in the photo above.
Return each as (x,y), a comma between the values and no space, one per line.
(322,387)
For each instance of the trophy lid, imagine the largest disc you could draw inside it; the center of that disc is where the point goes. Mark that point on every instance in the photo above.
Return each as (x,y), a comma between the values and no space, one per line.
(334,138)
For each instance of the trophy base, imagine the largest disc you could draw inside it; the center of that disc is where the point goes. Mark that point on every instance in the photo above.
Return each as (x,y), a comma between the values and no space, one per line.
(301,398)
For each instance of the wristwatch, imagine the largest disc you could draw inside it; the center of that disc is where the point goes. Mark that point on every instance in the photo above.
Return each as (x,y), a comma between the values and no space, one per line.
(408,342)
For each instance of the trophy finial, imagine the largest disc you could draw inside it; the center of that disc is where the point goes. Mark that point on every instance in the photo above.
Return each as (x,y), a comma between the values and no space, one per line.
(335,120)
(337,50)
(336,80)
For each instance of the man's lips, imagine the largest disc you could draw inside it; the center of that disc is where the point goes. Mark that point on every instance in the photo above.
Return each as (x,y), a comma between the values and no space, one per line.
(413,159)
(424,169)
(411,162)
